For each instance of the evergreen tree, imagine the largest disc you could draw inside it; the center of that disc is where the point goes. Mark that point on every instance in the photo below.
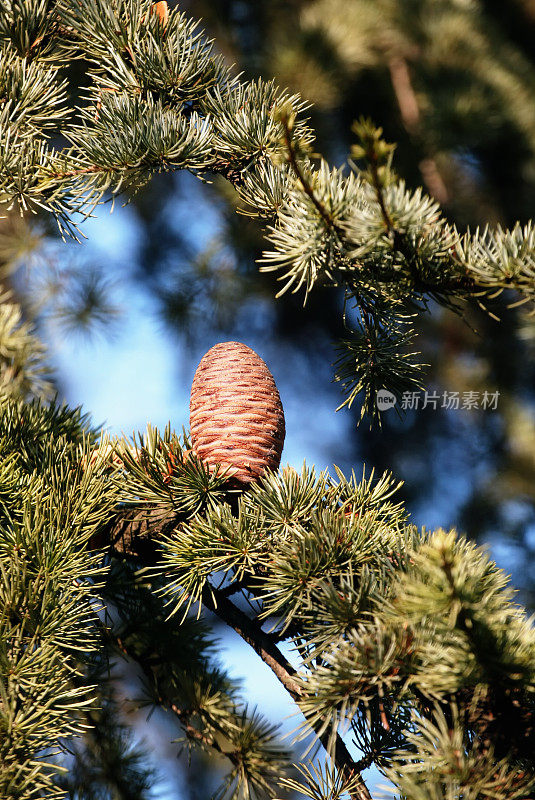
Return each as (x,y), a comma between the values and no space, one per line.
(410,640)
(337,57)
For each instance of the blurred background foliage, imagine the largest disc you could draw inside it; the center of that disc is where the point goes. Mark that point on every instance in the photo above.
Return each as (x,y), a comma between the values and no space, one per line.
(453,83)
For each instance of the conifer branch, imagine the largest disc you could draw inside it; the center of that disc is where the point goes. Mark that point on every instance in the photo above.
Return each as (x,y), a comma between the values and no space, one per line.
(253,634)
(183,715)
(374,171)
(305,183)
(270,654)
(133,536)
(160,99)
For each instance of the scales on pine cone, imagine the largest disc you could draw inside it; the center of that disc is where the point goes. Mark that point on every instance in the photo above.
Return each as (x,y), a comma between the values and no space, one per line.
(236,415)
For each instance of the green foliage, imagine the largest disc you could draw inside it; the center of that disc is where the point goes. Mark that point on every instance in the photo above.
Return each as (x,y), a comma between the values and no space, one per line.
(445,767)
(409,642)
(474,619)
(152,462)
(308,244)
(390,626)
(181,673)
(376,358)
(160,99)
(319,784)
(393,630)
(49,510)
(23,370)
(131,139)
(246,118)
(54,502)
(106,761)
(34,99)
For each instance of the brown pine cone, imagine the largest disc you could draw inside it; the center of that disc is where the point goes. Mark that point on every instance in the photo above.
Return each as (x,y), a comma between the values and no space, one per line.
(236,415)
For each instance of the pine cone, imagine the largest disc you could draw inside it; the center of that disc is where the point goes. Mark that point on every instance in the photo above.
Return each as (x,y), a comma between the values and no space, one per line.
(236,415)
(162,12)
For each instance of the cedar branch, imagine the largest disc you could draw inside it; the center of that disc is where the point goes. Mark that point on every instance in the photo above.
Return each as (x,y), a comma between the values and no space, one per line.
(305,183)
(270,654)
(134,537)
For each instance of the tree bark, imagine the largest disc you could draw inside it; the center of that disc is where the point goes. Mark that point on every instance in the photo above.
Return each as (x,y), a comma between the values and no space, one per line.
(410,116)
